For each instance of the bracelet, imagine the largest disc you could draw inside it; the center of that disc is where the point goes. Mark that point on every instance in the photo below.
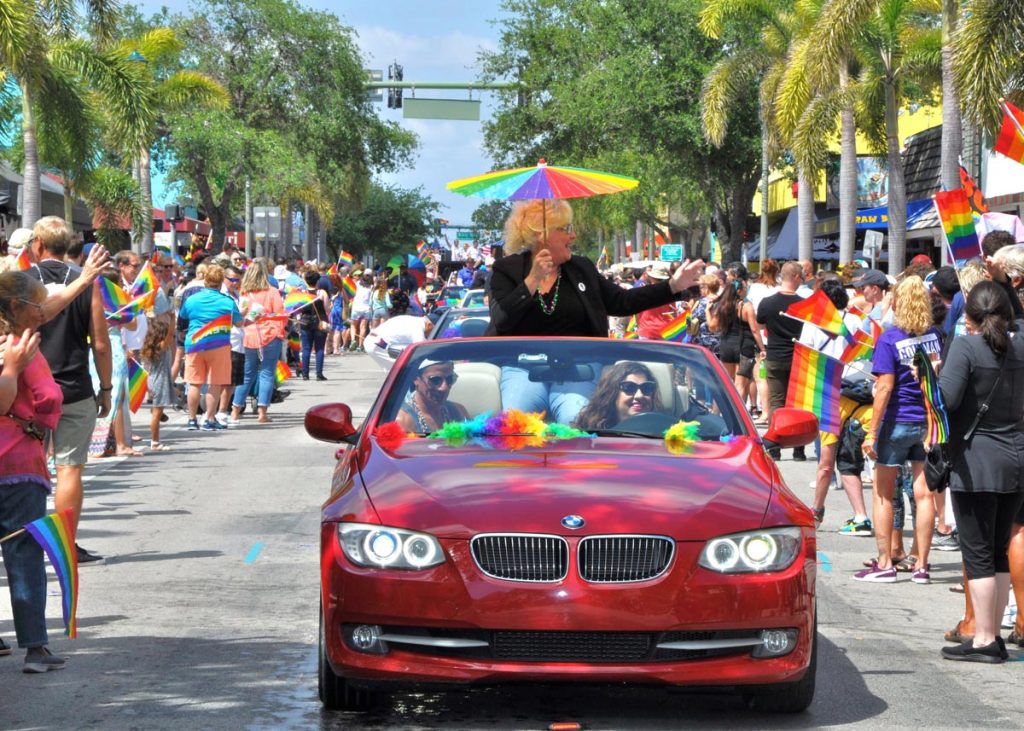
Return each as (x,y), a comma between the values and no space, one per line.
(108,388)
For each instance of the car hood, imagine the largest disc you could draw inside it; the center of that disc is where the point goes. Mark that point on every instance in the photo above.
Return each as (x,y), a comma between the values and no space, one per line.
(616,485)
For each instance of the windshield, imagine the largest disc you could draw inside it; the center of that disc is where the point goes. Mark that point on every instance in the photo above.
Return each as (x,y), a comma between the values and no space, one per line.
(630,388)
(455,324)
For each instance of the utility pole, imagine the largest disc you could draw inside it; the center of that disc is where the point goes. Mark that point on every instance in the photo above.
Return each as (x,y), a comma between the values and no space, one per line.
(250,247)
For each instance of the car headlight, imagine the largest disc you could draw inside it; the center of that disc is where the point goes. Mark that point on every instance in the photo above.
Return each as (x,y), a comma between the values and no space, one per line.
(769,549)
(391,548)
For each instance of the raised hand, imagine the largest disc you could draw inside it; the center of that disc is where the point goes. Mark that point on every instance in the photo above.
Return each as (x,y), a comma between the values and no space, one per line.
(687,275)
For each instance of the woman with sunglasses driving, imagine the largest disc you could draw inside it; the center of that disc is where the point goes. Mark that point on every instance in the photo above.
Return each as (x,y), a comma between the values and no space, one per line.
(625,389)
(427,407)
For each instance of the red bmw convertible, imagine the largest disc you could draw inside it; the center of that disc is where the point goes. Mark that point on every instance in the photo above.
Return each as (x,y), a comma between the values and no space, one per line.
(563,510)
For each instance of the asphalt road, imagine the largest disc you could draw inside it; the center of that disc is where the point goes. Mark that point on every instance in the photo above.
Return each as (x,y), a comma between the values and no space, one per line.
(205,613)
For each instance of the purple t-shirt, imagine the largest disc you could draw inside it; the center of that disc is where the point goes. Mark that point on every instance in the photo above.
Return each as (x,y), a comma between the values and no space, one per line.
(894,352)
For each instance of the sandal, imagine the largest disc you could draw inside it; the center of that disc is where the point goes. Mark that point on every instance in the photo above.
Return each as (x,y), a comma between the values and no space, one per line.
(957,588)
(158,447)
(954,635)
(907,564)
(129,453)
(6,649)
(1014,638)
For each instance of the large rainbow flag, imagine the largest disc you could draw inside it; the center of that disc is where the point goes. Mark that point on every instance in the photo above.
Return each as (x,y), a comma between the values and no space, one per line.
(954,211)
(678,330)
(814,383)
(56,534)
(1010,141)
(819,311)
(145,282)
(214,334)
(935,411)
(296,300)
(138,384)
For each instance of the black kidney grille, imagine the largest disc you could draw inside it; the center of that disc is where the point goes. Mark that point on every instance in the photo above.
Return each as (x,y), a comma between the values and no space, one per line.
(522,557)
(619,559)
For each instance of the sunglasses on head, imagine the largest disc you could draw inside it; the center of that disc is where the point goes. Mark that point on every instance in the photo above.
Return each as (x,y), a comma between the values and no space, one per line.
(630,388)
(436,381)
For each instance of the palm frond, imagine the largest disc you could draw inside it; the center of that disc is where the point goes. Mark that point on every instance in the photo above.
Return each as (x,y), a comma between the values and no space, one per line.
(870,109)
(159,44)
(836,30)
(113,194)
(988,58)
(15,32)
(794,91)
(815,127)
(191,88)
(723,85)
(922,57)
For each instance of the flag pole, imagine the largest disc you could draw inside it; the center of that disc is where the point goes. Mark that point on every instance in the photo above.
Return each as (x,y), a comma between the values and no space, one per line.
(13,535)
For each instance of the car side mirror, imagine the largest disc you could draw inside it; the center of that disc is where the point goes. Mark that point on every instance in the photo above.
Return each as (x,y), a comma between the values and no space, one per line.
(331,423)
(791,428)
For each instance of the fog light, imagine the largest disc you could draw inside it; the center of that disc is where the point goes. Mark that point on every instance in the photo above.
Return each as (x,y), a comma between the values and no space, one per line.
(776,642)
(366,638)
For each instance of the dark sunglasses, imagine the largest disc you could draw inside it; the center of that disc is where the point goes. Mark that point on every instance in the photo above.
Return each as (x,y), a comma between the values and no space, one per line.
(629,388)
(233,279)
(436,381)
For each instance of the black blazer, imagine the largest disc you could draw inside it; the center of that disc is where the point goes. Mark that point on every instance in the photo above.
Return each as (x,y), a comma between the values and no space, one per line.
(510,296)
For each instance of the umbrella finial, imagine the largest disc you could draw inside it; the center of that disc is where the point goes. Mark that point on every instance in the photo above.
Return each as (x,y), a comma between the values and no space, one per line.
(542,163)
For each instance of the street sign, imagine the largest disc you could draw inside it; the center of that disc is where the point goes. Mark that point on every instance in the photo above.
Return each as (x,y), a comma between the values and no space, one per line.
(266,222)
(671,252)
(466,235)
(873,245)
(456,109)
(374,95)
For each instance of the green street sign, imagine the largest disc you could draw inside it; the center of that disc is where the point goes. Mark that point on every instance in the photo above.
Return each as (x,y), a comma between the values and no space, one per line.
(466,236)
(671,252)
(456,109)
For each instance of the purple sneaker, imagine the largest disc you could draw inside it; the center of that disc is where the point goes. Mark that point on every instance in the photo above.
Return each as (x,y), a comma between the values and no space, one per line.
(877,575)
(921,575)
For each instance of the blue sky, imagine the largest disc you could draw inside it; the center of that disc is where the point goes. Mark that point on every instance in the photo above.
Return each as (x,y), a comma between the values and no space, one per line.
(434,40)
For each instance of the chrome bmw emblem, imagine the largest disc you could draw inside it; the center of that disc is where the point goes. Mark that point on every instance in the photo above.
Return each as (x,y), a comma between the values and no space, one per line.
(573,521)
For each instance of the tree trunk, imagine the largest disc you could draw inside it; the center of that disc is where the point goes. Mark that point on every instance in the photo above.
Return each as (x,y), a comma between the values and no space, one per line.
(897,186)
(69,201)
(145,202)
(31,194)
(952,131)
(847,173)
(805,215)
(308,229)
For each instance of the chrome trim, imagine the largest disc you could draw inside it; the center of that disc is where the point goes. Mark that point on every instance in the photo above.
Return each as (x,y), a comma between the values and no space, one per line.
(431,641)
(564,567)
(710,644)
(624,536)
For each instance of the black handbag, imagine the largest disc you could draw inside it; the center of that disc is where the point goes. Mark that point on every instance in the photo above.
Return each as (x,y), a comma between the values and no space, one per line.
(938,459)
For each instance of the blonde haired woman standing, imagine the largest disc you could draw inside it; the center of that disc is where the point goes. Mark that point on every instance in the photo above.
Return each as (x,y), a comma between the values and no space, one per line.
(262,340)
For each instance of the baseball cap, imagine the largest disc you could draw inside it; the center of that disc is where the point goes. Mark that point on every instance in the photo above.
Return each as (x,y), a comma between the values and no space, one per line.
(945,282)
(19,238)
(921,259)
(658,271)
(871,276)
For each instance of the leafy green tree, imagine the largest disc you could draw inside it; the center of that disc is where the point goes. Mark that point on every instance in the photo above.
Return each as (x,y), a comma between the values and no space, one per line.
(390,221)
(491,215)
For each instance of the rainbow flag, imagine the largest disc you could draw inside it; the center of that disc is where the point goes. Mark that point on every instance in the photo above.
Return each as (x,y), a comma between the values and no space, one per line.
(56,534)
(214,334)
(345,259)
(814,385)
(678,330)
(145,283)
(935,411)
(271,317)
(295,343)
(136,308)
(23,262)
(296,300)
(974,194)
(113,296)
(282,373)
(862,347)
(348,286)
(820,312)
(1010,141)
(138,384)
(422,249)
(955,213)
(332,270)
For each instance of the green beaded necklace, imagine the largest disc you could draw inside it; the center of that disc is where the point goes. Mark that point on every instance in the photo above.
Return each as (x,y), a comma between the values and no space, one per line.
(544,306)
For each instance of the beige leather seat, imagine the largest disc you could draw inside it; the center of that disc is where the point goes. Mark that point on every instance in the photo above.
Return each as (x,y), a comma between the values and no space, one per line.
(478,388)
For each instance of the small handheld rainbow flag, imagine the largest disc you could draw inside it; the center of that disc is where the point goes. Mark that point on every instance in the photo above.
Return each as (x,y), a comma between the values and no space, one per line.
(145,283)
(820,312)
(113,296)
(138,384)
(23,262)
(348,286)
(332,270)
(56,534)
(214,334)
(282,373)
(295,343)
(422,249)
(861,348)
(345,259)
(957,222)
(678,330)
(935,411)
(814,385)
(296,300)
(1010,141)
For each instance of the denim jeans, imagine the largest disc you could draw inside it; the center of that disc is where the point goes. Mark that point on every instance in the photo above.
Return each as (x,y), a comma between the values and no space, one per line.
(562,402)
(262,372)
(313,339)
(21,503)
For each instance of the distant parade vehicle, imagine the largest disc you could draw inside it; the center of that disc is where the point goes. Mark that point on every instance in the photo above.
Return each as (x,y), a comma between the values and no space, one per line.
(648,539)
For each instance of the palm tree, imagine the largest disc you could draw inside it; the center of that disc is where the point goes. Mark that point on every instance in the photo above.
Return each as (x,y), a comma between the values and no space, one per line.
(988,58)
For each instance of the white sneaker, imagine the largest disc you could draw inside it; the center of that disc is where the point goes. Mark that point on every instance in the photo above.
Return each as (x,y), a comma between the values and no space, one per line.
(1009,617)
(223,419)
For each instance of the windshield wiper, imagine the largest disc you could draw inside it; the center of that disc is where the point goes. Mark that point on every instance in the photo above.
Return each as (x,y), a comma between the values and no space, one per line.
(625,433)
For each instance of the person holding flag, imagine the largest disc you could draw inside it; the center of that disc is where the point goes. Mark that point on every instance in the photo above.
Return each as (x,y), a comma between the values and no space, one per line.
(30,404)
(263,337)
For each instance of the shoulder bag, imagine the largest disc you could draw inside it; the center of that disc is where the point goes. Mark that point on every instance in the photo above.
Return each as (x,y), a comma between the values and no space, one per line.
(938,461)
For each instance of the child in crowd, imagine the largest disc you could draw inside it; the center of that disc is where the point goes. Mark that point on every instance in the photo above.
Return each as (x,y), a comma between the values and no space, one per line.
(157,353)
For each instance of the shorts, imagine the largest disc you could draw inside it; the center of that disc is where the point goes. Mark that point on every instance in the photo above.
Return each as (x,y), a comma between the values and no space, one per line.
(358,315)
(729,350)
(74,431)
(899,442)
(237,368)
(209,366)
(746,367)
(777,377)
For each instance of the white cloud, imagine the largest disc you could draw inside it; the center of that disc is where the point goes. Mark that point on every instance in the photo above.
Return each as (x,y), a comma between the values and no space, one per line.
(454,54)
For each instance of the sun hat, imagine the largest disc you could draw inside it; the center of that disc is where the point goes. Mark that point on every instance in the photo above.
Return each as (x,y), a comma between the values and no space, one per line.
(658,271)
(19,238)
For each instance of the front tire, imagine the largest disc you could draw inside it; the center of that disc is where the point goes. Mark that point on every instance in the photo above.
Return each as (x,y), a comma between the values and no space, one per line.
(335,692)
(789,697)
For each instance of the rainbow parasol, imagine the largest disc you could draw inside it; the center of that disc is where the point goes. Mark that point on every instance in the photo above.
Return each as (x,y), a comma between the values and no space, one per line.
(542,181)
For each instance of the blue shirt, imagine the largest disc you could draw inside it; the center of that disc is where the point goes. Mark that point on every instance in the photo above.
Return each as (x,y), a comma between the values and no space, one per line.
(203,307)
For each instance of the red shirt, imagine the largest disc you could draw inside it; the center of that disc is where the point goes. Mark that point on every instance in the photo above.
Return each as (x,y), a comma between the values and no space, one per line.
(39,399)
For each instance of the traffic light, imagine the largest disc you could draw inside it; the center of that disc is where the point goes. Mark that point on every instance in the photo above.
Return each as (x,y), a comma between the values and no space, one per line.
(174,212)
(395,73)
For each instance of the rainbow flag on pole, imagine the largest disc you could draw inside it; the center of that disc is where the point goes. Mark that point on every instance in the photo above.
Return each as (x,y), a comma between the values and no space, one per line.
(56,534)
(678,330)
(23,262)
(295,343)
(954,211)
(282,373)
(1010,141)
(296,300)
(348,286)
(935,411)
(138,384)
(113,296)
(422,249)
(214,334)
(862,347)
(820,312)
(814,385)
(145,283)
(345,259)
